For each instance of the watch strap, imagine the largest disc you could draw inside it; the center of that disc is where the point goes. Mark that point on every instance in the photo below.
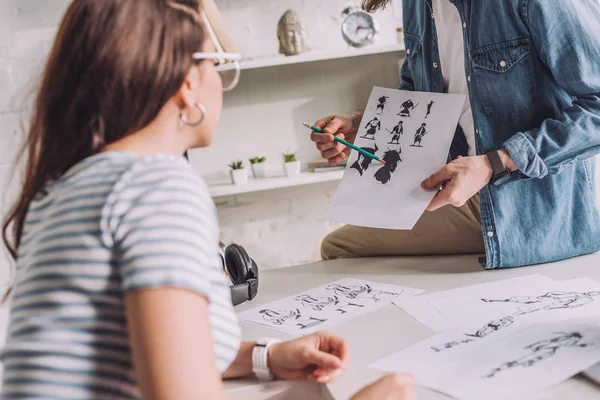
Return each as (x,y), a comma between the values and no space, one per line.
(498,169)
(260,359)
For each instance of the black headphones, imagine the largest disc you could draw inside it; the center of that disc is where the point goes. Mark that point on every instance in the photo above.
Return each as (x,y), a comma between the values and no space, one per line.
(241,269)
(243,272)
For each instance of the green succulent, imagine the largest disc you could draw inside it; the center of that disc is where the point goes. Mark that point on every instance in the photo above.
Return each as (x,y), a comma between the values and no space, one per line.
(289,157)
(257,160)
(238,164)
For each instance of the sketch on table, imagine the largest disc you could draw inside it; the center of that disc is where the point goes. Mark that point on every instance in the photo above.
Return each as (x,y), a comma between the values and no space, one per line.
(541,351)
(391,158)
(382,102)
(396,132)
(364,292)
(419,135)
(493,326)
(429,108)
(450,345)
(548,301)
(407,107)
(362,163)
(372,127)
(280,317)
(319,303)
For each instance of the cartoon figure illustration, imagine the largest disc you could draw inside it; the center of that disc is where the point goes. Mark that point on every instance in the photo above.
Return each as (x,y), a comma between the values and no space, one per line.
(396,132)
(429,108)
(391,158)
(381,106)
(541,351)
(419,135)
(493,326)
(450,345)
(407,107)
(319,303)
(548,301)
(361,292)
(279,317)
(372,127)
(362,163)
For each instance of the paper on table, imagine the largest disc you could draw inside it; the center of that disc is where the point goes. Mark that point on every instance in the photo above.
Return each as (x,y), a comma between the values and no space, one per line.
(482,310)
(516,362)
(326,305)
(422,308)
(412,132)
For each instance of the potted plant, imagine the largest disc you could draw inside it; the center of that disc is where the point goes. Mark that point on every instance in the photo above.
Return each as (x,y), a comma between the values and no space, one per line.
(258,167)
(239,175)
(292,166)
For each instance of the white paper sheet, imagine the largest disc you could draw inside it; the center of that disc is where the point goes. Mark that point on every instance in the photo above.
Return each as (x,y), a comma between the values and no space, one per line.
(511,365)
(422,307)
(413,132)
(326,305)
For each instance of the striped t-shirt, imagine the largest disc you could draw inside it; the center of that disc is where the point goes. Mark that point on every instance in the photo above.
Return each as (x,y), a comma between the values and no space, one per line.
(115,223)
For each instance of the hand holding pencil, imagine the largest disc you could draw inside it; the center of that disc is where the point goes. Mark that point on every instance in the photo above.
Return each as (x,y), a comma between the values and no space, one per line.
(345,129)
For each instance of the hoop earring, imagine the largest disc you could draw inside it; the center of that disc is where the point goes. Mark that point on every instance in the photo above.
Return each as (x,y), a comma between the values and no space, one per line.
(187,122)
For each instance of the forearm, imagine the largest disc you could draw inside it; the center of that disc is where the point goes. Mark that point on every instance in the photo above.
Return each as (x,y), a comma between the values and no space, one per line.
(242,365)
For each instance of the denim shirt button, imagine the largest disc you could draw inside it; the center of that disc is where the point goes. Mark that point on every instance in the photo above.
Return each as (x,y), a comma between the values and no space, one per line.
(503,64)
(490,234)
(465,25)
(435,65)
(469,78)
(408,51)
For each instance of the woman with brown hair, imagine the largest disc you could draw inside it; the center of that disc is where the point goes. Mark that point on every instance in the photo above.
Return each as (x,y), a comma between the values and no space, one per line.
(119,291)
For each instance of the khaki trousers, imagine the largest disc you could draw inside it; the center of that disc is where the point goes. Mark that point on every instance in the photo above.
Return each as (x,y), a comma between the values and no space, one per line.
(448,230)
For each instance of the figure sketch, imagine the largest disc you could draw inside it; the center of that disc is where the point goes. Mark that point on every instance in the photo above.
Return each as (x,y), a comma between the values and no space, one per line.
(364,292)
(362,163)
(429,108)
(280,317)
(548,301)
(372,127)
(541,351)
(391,158)
(450,345)
(407,107)
(493,326)
(319,303)
(381,106)
(396,132)
(419,135)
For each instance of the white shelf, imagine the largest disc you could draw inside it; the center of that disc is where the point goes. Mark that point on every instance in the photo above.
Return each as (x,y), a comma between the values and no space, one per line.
(226,188)
(318,56)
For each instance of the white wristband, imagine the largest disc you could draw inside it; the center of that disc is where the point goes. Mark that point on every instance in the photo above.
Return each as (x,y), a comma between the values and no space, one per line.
(260,359)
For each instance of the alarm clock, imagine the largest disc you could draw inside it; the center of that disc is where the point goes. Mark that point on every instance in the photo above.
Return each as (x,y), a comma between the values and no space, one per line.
(358,27)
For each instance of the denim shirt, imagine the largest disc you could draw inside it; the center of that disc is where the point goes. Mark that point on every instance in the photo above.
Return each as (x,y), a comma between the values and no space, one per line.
(533,73)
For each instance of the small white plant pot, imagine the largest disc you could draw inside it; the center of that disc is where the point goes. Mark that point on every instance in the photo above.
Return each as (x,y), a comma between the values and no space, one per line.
(259,170)
(292,169)
(239,176)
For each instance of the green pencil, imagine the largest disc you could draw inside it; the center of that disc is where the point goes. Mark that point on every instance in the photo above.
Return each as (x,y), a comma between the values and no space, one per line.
(337,139)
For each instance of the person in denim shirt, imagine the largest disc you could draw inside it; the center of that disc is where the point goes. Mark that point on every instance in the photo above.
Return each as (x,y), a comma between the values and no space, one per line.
(533,82)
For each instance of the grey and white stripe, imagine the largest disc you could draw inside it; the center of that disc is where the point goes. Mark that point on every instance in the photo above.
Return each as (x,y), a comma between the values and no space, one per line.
(114,223)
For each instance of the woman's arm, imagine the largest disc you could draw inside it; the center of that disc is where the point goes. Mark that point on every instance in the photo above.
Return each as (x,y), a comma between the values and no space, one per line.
(172,344)
(242,365)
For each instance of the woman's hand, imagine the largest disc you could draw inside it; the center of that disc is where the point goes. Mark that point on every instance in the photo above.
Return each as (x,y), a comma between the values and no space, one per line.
(344,127)
(319,357)
(390,387)
(461,179)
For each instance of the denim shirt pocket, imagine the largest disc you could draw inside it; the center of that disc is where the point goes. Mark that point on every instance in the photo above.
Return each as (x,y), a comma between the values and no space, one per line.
(414,58)
(504,79)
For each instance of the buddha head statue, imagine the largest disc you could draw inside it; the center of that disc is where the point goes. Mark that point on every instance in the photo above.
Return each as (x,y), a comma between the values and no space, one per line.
(291,34)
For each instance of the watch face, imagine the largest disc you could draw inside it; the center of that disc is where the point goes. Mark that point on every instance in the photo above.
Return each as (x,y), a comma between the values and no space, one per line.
(359,29)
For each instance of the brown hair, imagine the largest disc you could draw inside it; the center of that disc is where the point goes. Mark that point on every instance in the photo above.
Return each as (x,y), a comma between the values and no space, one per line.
(373,5)
(113,66)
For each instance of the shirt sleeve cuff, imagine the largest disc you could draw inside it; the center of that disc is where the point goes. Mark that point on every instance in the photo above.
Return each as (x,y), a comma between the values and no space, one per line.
(526,158)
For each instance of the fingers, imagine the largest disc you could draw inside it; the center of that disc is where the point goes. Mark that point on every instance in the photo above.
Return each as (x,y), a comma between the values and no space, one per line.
(322,123)
(436,180)
(334,123)
(339,347)
(403,384)
(322,359)
(321,137)
(449,195)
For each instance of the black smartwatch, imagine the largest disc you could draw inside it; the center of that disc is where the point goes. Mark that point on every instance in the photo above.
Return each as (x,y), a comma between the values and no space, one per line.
(500,173)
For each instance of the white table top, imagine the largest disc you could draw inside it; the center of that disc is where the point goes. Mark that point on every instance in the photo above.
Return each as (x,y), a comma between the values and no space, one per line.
(375,335)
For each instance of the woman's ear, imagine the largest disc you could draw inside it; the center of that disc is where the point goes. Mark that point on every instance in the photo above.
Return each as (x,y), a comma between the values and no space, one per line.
(186,93)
